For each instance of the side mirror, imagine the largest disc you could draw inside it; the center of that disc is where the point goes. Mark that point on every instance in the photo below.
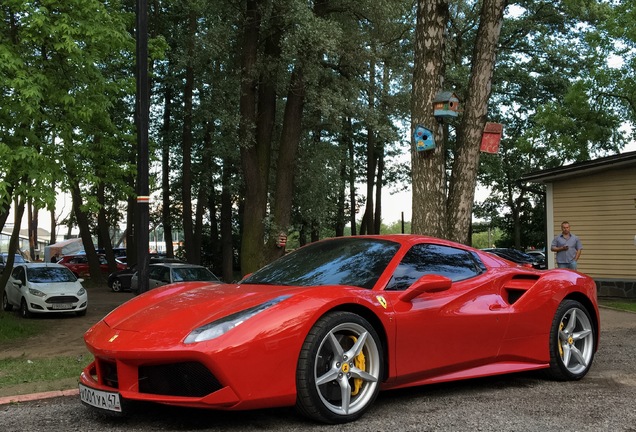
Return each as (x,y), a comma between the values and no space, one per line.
(429,283)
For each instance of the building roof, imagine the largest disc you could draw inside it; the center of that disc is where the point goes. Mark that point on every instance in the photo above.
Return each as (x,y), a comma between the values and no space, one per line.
(624,160)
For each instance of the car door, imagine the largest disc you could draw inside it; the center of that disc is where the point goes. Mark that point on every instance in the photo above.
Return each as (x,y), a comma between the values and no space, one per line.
(449,331)
(15,285)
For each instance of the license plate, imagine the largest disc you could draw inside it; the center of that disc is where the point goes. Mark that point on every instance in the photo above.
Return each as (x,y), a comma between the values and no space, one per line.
(61,306)
(100,399)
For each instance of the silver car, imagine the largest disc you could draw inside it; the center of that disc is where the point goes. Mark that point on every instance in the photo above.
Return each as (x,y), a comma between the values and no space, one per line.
(167,273)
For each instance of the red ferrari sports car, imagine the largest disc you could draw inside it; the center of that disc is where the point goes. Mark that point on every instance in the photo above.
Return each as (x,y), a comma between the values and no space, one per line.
(326,327)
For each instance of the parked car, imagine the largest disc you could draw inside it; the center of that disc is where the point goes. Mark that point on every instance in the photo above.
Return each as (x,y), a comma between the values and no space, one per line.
(120,280)
(167,273)
(37,288)
(5,256)
(537,254)
(518,257)
(78,264)
(325,327)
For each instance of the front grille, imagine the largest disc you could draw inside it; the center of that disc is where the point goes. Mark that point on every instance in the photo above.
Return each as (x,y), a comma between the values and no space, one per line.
(178,379)
(62,299)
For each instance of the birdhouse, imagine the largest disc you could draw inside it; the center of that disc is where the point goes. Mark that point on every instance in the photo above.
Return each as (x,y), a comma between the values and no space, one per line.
(445,104)
(423,138)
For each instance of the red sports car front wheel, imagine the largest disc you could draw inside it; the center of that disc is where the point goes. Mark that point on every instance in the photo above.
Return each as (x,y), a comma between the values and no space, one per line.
(339,369)
(572,342)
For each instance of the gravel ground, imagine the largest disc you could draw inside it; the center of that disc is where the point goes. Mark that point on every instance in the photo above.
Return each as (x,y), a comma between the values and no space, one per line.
(604,400)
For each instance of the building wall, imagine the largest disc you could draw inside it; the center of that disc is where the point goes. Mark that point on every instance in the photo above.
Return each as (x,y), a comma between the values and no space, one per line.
(601,209)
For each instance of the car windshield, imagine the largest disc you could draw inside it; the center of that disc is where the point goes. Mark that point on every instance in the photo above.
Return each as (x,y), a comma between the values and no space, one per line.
(50,274)
(344,261)
(185,274)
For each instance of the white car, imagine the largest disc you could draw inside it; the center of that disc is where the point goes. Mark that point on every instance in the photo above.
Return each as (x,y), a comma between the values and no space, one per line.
(44,288)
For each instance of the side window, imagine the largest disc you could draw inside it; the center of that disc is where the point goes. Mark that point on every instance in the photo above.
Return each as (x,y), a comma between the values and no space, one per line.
(102,260)
(18,274)
(155,272)
(455,264)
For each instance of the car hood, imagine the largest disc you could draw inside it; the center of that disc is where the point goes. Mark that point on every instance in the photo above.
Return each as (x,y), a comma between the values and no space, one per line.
(182,307)
(57,288)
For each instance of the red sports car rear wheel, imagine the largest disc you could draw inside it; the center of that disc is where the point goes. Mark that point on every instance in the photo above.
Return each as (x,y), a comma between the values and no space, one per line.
(572,342)
(339,369)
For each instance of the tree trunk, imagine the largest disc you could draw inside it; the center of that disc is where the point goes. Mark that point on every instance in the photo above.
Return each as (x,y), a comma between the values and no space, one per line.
(285,167)
(352,174)
(85,233)
(466,163)
(428,167)
(166,218)
(186,145)
(227,250)
(255,147)
(13,242)
(103,234)
(377,218)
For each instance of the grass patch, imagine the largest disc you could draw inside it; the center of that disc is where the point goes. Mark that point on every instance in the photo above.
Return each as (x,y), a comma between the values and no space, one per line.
(625,305)
(12,327)
(14,371)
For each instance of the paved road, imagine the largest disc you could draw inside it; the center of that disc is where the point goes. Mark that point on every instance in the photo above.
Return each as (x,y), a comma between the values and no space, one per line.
(605,400)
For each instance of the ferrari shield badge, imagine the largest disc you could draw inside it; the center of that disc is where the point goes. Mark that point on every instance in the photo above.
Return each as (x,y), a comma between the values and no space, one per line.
(382,301)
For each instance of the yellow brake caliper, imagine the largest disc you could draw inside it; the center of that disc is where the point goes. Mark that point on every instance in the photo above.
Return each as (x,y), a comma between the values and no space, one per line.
(560,346)
(360,363)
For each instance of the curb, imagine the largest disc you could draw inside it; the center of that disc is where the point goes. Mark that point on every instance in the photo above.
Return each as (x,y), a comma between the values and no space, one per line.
(37,396)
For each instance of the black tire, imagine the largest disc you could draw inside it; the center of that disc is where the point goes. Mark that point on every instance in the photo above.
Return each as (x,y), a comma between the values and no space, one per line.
(339,369)
(24,309)
(572,342)
(116,286)
(81,313)
(5,302)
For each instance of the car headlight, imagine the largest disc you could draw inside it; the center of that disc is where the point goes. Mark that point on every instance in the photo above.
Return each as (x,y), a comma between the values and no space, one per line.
(36,293)
(81,292)
(217,328)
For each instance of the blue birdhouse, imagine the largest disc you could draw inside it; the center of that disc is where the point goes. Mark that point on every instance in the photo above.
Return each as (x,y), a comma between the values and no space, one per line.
(446,104)
(423,138)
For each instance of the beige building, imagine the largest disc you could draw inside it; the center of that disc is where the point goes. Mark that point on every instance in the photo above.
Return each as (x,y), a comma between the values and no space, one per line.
(598,199)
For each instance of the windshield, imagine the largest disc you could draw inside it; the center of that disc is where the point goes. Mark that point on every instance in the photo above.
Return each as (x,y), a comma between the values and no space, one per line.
(50,274)
(343,261)
(185,274)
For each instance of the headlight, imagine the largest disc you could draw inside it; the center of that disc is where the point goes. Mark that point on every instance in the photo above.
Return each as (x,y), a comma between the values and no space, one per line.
(217,328)
(36,293)
(81,292)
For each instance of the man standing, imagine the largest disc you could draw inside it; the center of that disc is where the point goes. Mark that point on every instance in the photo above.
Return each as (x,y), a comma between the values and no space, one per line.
(567,247)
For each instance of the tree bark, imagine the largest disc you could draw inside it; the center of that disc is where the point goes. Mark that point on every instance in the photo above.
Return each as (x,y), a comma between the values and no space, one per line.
(186,145)
(227,250)
(85,233)
(428,167)
(13,242)
(466,162)
(103,234)
(285,167)
(255,134)
(166,218)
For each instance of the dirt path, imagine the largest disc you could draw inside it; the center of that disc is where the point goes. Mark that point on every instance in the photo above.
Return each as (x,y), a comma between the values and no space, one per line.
(64,335)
